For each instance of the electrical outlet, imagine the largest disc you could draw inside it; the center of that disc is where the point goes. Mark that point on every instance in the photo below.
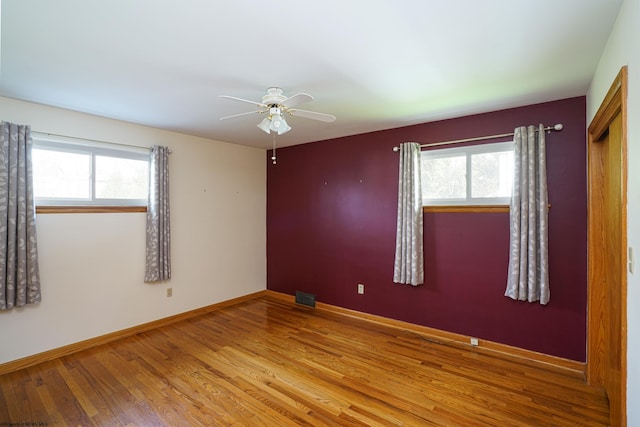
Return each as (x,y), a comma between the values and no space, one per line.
(474,342)
(169,292)
(360,288)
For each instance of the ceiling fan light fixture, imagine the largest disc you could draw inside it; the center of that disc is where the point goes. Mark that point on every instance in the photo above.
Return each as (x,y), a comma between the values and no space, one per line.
(274,122)
(280,125)
(265,125)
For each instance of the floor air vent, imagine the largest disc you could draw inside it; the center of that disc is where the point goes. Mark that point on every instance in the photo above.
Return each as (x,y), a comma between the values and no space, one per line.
(305,299)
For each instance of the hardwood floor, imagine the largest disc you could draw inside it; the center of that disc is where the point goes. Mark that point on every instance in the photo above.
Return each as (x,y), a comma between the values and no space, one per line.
(267,362)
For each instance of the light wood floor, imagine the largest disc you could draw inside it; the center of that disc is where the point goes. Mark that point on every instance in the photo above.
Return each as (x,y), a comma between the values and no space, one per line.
(266,362)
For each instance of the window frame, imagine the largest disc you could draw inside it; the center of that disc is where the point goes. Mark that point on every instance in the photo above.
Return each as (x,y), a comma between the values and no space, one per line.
(92,149)
(459,204)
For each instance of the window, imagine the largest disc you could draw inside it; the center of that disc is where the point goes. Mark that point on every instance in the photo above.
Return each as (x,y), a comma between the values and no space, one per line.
(87,173)
(471,175)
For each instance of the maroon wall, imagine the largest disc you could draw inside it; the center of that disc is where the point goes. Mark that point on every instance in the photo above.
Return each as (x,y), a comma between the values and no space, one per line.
(331,221)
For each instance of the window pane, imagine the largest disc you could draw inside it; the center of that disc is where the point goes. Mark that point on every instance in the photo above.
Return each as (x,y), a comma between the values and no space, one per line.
(118,178)
(59,174)
(492,174)
(444,177)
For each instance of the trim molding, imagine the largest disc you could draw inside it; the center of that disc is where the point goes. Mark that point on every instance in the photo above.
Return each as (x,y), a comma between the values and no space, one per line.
(607,325)
(520,355)
(55,353)
(88,209)
(466,208)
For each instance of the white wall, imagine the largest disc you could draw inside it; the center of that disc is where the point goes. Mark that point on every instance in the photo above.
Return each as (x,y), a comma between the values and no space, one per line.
(622,49)
(92,265)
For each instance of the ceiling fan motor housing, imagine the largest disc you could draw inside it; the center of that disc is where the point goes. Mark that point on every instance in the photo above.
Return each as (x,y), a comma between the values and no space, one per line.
(273,97)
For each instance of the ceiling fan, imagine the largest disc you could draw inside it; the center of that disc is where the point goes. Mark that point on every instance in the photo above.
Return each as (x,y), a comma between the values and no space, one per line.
(275,105)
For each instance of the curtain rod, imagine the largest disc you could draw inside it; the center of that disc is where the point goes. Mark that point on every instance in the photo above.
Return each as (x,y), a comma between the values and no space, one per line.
(45,134)
(556,127)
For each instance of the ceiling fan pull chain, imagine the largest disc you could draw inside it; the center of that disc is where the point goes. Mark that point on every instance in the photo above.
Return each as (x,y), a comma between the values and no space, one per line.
(273,156)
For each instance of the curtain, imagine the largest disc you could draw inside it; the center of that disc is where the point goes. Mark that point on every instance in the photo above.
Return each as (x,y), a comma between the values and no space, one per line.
(528,277)
(409,260)
(19,273)
(158,260)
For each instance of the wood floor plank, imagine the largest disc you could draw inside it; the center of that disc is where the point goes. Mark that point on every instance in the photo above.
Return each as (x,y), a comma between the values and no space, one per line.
(52,416)
(266,362)
(84,395)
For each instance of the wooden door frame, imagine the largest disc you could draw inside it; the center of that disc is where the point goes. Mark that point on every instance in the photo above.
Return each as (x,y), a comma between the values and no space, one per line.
(614,103)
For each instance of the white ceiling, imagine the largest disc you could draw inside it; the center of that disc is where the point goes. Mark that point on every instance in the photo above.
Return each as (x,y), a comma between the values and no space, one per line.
(375,64)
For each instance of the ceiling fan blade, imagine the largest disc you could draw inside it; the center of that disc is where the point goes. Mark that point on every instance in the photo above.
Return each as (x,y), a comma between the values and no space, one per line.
(297,99)
(312,115)
(241,114)
(257,104)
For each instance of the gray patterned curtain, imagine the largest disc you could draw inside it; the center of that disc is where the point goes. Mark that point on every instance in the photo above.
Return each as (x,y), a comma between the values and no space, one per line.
(158,262)
(409,261)
(19,273)
(528,278)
